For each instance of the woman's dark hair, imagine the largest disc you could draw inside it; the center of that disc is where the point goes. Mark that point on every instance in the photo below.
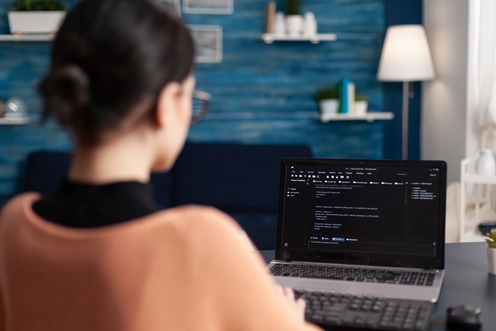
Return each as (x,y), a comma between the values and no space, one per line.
(110,56)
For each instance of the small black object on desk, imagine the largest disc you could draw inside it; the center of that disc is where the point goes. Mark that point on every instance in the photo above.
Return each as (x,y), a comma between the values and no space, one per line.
(463,318)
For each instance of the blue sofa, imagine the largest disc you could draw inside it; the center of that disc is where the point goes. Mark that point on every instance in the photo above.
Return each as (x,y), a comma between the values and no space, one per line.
(242,180)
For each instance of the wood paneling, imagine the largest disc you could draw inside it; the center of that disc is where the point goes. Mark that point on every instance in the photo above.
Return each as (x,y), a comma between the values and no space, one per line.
(261,93)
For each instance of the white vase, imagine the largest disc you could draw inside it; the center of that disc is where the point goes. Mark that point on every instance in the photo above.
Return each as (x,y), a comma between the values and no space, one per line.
(309,25)
(491,260)
(35,21)
(280,25)
(485,164)
(294,25)
(329,106)
(361,107)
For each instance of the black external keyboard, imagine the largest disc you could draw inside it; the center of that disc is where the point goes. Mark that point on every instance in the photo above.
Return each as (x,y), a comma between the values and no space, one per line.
(348,312)
(357,274)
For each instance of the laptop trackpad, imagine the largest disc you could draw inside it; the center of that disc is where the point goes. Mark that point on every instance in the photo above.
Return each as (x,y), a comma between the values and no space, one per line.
(313,284)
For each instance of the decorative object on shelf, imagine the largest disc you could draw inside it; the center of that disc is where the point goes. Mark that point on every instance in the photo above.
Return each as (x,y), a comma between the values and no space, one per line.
(405,58)
(331,102)
(15,108)
(294,21)
(208,43)
(485,164)
(280,25)
(361,105)
(309,25)
(328,100)
(173,5)
(346,91)
(292,27)
(270,13)
(36,16)
(208,6)
(491,251)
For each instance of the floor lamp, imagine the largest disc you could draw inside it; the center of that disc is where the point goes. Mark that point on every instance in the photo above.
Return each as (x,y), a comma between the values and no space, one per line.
(405,58)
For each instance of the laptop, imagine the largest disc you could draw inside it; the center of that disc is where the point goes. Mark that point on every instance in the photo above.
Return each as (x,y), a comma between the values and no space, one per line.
(362,227)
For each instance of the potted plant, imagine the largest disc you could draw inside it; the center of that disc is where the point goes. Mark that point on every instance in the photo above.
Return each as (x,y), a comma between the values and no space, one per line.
(361,104)
(328,101)
(294,20)
(491,251)
(36,16)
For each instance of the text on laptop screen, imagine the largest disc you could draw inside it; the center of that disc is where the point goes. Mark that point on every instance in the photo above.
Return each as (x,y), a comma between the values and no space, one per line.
(348,208)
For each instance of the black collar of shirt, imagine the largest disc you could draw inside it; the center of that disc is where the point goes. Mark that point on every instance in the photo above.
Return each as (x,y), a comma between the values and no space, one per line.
(81,205)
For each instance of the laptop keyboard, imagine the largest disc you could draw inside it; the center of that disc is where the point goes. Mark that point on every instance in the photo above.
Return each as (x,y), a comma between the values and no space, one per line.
(357,312)
(418,278)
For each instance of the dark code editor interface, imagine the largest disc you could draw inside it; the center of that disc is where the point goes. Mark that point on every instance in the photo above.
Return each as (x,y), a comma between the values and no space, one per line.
(355,209)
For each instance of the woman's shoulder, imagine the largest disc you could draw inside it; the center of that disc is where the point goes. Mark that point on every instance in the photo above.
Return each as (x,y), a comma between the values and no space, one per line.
(16,204)
(182,222)
(202,223)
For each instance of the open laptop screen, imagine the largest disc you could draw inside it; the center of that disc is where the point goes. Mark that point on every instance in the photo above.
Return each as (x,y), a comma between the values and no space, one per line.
(379,212)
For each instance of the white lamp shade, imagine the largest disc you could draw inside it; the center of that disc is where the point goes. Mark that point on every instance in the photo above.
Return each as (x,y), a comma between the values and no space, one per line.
(405,55)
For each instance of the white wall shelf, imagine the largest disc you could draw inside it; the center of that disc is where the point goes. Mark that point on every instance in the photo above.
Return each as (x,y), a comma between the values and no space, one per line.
(269,38)
(14,120)
(369,117)
(26,37)
(468,176)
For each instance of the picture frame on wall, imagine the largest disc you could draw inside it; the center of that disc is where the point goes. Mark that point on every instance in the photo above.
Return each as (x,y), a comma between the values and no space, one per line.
(208,6)
(208,43)
(174,5)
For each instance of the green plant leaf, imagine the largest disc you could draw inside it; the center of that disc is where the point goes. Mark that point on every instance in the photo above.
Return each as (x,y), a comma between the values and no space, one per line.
(37,5)
(328,93)
(293,7)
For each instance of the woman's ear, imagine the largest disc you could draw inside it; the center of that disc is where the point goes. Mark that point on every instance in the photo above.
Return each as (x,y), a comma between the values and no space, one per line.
(168,103)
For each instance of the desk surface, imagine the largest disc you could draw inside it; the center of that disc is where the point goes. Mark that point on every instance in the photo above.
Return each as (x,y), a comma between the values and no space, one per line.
(466,281)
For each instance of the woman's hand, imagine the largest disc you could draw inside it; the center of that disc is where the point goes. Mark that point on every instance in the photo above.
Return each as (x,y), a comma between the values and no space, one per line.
(297,306)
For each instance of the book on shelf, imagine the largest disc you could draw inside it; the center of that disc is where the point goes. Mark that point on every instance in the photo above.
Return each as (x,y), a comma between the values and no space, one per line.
(270,13)
(346,91)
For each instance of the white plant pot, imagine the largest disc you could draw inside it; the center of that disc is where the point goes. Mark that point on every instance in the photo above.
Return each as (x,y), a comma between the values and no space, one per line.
(294,25)
(329,106)
(35,21)
(491,260)
(361,107)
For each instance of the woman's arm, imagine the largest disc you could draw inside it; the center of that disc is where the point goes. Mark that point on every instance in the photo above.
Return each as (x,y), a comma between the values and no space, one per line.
(246,296)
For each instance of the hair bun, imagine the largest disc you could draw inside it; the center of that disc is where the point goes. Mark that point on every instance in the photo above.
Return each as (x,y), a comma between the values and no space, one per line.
(66,91)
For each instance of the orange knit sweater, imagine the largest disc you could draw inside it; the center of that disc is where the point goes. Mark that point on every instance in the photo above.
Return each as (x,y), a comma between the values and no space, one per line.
(181,269)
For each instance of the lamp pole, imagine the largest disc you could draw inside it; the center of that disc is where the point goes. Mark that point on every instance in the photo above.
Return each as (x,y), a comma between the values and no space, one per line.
(404,141)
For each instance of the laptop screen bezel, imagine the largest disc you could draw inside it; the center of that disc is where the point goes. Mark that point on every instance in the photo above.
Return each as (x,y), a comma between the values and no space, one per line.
(423,262)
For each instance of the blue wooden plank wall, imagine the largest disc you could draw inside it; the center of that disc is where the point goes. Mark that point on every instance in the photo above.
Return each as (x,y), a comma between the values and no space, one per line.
(261,93)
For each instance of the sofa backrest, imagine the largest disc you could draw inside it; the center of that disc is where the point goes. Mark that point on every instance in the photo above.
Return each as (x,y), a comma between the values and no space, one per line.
(46,169)
(232,177)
